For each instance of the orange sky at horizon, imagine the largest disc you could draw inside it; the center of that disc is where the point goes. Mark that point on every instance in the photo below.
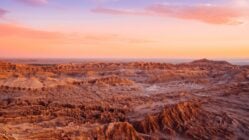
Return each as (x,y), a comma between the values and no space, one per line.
(156,31)
(29,42)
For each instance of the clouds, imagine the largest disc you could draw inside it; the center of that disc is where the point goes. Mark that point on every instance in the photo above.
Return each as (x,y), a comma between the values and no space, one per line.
(20,32)
(220,12)
(111,11)
(241,3)
(43,2)
(207,13)
(2,13)
(33,2)
(230,12)
(23,41)
(39,28)
(12,30)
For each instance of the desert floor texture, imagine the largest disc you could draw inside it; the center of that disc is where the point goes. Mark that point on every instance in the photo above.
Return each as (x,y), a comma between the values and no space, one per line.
(202,99)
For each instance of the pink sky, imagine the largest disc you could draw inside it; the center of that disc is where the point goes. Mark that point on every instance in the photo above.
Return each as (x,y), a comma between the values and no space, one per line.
(145,29)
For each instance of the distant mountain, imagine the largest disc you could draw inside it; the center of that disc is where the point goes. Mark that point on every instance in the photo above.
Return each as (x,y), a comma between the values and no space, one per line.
(209,62)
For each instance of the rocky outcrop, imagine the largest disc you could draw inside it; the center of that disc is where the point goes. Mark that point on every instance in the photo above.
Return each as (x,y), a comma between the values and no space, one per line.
(113,81)
(5,136)
(170,120)
(116,131)
(187,119)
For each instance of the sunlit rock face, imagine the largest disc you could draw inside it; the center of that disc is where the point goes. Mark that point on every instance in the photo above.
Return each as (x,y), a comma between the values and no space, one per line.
(5,136)
(202,99)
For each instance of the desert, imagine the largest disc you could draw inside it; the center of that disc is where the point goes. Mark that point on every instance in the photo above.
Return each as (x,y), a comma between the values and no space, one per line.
(202,99)
(124,69)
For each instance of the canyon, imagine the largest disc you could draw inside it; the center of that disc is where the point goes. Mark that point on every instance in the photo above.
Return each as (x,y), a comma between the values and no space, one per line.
(202,99)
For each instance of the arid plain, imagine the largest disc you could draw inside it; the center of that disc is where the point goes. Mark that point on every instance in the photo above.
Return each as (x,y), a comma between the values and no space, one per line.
(202,99)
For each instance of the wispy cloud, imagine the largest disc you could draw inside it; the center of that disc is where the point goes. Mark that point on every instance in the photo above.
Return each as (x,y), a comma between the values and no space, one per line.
(12,30)
(113,11)
(34,2)
(206,13)
(212,14)
(2,12)
(19,31)
(103,38)
(31,42)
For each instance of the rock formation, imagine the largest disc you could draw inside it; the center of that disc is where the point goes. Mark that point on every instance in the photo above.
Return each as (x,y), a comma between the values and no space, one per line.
(124,101)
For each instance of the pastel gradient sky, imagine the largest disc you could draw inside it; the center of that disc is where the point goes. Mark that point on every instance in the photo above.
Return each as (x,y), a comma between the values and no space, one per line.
(124,28)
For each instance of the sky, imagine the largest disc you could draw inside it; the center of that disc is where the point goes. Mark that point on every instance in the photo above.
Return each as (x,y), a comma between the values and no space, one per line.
(124,29)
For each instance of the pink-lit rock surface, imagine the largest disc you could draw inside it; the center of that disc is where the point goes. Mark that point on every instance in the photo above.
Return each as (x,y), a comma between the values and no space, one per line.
(124,101)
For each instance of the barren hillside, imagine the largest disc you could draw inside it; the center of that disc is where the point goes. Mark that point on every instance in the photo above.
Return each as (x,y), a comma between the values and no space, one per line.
(124,101)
